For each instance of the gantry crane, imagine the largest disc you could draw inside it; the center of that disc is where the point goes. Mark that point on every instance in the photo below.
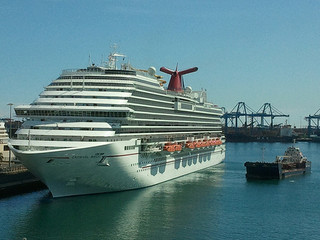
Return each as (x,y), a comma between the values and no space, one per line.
(267,110)
(240,113)
(313,123)
(248,117)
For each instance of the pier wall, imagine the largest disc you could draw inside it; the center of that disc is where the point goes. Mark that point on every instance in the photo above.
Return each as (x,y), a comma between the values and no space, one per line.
(246,134)
(17,179)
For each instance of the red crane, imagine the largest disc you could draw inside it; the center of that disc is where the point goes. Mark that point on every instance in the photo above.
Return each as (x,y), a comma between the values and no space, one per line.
(175,83)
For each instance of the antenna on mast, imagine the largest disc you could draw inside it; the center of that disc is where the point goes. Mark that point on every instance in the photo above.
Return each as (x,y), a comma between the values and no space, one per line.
(101,59)
(112,64)
(90,63)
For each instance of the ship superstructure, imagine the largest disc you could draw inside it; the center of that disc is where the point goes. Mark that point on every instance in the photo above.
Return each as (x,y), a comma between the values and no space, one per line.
(4,150)
(102,129)
(3,133)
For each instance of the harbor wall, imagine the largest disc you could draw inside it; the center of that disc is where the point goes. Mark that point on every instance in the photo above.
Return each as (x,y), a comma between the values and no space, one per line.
(256,134)
(17,179)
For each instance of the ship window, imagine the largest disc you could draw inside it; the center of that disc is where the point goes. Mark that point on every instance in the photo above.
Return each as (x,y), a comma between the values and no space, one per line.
(129,147)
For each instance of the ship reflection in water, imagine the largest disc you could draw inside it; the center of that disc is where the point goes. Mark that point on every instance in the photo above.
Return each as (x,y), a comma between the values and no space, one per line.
(215,203)
(124,215)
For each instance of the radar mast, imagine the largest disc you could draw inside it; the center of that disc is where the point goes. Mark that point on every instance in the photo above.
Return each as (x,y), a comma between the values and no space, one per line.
(112,59)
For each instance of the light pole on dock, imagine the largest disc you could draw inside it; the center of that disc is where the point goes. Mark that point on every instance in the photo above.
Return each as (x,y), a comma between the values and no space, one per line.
(10,129)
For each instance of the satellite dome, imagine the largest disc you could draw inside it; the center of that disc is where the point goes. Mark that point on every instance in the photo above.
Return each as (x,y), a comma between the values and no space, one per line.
(152,71)
(188,89)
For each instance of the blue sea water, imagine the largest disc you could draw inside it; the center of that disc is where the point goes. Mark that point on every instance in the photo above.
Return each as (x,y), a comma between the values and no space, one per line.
(216,203)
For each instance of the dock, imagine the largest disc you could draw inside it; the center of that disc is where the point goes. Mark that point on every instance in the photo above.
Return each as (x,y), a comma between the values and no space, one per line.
(16,179)
(243,124)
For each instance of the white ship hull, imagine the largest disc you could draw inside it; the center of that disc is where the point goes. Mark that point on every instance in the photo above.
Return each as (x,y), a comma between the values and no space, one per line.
(103,129)
(107,168)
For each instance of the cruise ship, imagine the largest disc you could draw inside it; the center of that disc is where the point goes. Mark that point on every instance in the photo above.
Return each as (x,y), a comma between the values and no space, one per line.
(113,128)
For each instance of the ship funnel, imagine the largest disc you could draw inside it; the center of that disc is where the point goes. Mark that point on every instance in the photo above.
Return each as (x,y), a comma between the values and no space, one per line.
(175,83)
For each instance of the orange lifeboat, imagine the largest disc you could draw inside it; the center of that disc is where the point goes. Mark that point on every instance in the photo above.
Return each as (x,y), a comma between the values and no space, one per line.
(199,144)
(170,147)
(177,147)
(194,143)
(218,141)
(190,145)
(213,142)
(203,143)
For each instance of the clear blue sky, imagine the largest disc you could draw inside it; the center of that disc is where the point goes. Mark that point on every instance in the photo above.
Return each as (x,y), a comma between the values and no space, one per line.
(251,51)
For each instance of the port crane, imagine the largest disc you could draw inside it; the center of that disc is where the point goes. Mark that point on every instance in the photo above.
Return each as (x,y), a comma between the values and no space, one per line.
(313,123)
(267,110)
(241,113)
(248,117)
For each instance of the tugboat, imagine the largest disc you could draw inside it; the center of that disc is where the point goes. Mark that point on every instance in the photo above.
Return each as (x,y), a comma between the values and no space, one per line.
(291,164)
